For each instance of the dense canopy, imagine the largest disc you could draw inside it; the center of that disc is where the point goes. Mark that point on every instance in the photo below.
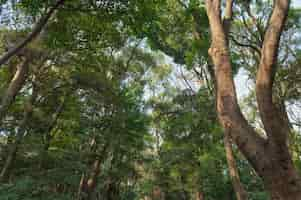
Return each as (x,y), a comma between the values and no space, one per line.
(150,100)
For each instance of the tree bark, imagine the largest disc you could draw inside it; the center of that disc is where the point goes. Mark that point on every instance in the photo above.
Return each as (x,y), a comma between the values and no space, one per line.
(240,192)
(88,183)
(274,124)
(269,156)
(199,196)
(14,87)
(35,32)
(280,176)
(229,113)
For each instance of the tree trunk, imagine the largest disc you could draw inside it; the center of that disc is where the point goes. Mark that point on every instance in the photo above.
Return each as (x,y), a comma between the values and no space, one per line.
(14,87)
(269,156)
(158,194)
(280,176)
(4,175)
(5,172)
(199,196)
(88,183)
(240,192)
(35,32)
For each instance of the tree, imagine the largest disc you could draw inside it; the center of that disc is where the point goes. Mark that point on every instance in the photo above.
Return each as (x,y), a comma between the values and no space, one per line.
(116,100)
(269,156)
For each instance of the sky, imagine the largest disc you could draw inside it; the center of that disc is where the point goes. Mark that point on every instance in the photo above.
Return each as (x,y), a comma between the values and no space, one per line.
(296,3)
(241,80)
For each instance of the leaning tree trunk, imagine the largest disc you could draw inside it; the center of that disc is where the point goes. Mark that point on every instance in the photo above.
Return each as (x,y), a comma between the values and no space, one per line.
(240,192)
(14,87)
(35,32)
(269,156)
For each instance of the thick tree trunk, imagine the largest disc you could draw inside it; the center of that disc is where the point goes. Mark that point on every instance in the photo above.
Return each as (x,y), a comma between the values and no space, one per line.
(269,156)
(280,176)
(240,192)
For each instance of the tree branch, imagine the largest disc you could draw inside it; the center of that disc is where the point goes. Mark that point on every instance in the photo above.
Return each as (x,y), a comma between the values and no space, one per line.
(245,45)
(229,113)
(35,32)
(270,115)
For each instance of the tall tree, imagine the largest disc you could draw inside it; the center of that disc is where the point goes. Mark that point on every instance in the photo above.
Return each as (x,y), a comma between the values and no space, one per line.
(269,156)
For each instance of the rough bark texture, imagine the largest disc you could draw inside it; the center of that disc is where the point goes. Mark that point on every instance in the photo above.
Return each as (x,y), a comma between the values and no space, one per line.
(270,156)
(270,115)
(230,116)
(240,192)
(35,32)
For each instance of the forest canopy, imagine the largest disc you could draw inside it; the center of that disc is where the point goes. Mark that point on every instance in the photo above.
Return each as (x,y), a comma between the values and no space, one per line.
(150,100)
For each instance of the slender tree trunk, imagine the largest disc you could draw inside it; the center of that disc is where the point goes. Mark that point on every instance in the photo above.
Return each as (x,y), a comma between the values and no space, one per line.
(81,186)
(111,191)
(8,162)
(88,183)
(240,192)
(5,172)
(14,87)
(199,195)
(157,194)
